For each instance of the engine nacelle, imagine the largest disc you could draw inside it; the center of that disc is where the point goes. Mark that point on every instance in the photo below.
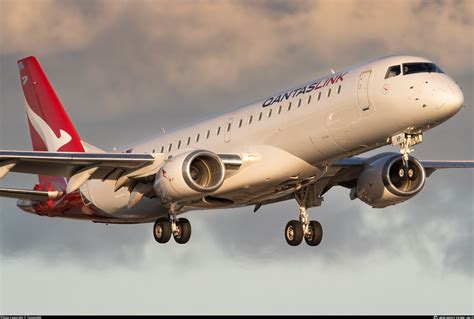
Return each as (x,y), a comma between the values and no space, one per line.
(189,175)
(387,182)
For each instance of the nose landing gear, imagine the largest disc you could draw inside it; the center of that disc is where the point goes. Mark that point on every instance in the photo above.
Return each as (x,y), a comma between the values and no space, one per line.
(406,141)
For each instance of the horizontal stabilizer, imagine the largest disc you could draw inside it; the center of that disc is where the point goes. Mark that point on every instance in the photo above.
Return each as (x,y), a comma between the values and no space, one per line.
(37,196)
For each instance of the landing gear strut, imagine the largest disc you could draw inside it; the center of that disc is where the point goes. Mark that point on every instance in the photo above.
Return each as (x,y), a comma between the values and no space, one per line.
(179,228)
(406,141)
(311,231)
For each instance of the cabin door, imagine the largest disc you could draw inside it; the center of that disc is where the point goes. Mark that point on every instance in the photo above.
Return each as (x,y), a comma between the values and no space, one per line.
(363,90)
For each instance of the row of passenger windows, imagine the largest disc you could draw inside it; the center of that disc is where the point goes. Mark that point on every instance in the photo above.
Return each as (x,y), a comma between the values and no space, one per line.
(261,115)
(411,68)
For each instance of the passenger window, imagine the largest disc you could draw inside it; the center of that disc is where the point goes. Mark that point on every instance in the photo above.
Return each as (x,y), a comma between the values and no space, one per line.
(218,130)
(289,106)
(179,144)
(153,151)
(197,137)
(189,141)
(279,109)
(269,113)
(392,71)
(169,148)
(309,99)
(229,125)
(299,102)
(250,119)
(260,116)
(208,133)
(319,96)
(240,123)
(162,149)
(329,92)
(339,89)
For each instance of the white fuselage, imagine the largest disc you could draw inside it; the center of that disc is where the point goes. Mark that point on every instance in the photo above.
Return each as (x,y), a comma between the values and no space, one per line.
(291,136)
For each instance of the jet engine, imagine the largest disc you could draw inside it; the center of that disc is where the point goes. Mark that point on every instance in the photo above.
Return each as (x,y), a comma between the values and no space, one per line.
(189,175)
(386,181)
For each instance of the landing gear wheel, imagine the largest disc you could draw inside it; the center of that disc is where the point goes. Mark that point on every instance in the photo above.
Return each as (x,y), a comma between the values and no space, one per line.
(162,230)
(294,232)
(314,234)
(183,231)
(412,174)
(401,172)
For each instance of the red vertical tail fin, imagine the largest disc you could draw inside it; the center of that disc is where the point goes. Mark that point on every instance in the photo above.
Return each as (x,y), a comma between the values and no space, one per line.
(50,127)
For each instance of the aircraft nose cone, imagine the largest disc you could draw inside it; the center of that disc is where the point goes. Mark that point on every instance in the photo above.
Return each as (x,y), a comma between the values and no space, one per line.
(454,100)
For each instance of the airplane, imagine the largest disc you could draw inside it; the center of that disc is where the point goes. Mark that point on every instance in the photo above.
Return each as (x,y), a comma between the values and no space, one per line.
(295,144)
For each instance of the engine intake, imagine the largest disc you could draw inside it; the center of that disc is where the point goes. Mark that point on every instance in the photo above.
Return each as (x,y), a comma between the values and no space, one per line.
(203,171)
(386,181)
(402,181)
(189,175)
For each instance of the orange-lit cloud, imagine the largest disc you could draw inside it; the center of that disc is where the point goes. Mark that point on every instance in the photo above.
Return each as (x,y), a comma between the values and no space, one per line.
(230,37)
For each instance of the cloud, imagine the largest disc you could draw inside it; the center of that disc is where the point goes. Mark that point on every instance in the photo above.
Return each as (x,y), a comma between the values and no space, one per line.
(218,41)
(193,59)
(436,227)
(48,25)
(126,68)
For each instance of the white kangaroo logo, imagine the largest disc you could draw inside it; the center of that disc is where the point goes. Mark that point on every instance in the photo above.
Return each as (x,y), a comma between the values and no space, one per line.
(52,142)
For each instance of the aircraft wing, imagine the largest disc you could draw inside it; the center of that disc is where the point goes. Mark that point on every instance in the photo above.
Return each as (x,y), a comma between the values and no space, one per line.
(345,172)
(67,163)
(348,169)
(431,166)
(428,164)
(79,166)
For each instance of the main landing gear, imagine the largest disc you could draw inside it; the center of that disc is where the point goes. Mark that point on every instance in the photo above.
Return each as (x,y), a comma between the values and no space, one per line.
(179,228)
(296,230)
(311,231)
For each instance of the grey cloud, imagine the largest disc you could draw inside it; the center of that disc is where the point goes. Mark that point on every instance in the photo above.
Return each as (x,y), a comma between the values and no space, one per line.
(436,230)
(64,241)
(50,26)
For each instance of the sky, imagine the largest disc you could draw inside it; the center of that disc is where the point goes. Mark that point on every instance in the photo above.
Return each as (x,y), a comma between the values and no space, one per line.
(126,69)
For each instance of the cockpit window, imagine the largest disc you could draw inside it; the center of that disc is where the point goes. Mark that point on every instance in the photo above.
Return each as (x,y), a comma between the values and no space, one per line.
(393,71)
(420,67)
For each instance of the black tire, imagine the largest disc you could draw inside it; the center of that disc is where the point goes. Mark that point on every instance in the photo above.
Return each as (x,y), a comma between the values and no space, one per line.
(162,230)
(315,233)
(184,231)
(294,232)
